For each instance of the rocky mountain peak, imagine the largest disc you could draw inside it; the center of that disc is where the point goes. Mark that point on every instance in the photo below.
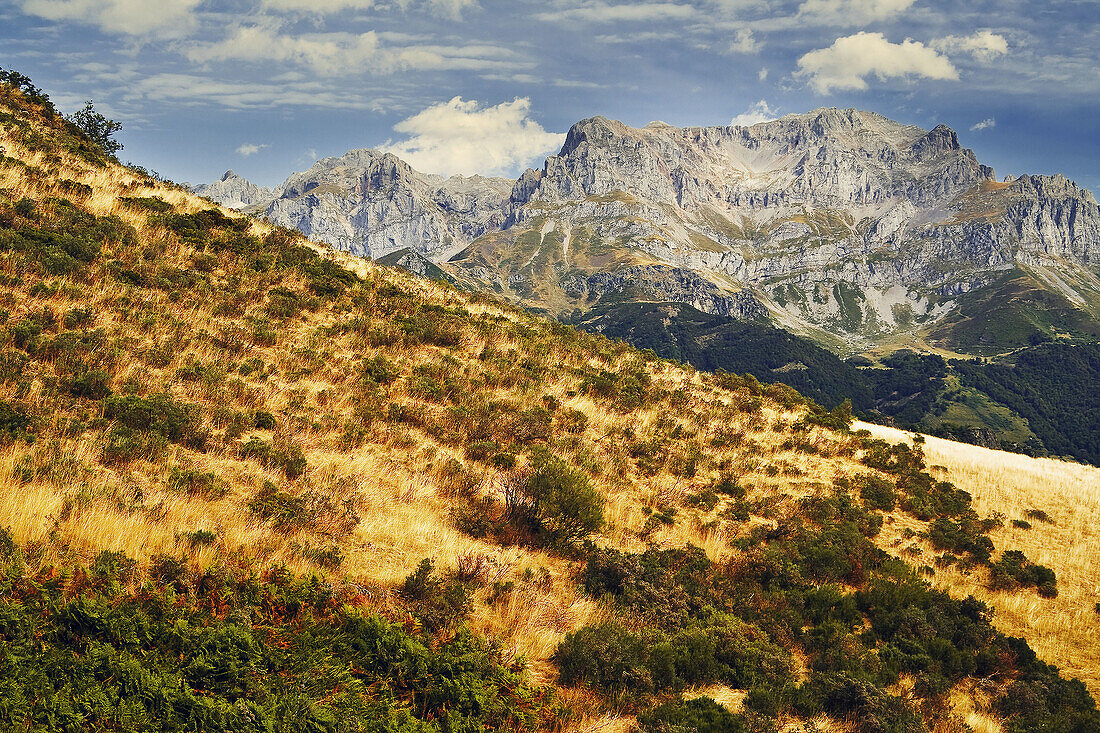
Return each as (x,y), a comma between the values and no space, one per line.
(235,191)
(940,139)
(598,131)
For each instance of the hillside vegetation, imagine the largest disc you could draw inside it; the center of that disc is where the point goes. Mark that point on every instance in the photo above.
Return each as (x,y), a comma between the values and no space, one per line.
(1051,509)
(247,484)
(1039,400)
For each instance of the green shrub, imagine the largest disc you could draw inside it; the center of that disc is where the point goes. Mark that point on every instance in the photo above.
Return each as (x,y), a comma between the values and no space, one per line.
(878,493)
(200,538)
(263,420)
(439,603)
(572,421)
(308,510)
(378,370)
(204,484)
(91,385)
(607,657)
(558,501)
(286,457)
(152,205)
(1038,515)
(176,421)
(12,364)
(699,715)
(233,650)
(1014,570)
(14,425)
(286,511)
(122,444)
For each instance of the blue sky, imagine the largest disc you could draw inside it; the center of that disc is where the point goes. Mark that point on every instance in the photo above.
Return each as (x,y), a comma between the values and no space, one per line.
(267,86)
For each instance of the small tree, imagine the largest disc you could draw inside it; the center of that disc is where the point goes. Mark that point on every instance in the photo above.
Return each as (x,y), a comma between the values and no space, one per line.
(97,127)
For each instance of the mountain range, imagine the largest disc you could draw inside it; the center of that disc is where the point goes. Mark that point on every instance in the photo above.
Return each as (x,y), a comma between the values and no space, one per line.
(859,232)
(792,250)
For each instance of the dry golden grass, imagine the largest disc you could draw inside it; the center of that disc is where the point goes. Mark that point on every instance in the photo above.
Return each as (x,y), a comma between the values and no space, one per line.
(1065,630)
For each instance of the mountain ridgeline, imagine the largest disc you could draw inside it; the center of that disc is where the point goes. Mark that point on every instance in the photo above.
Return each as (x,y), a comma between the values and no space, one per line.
(249,483)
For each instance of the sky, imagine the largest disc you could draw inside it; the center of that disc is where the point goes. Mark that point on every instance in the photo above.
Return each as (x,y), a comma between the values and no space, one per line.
(266,87)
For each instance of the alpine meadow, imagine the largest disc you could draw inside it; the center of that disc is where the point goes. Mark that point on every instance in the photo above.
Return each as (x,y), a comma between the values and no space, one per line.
(785,425)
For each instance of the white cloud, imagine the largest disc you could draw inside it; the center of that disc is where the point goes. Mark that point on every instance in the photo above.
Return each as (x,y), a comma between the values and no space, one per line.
(335,54)
(846,63)
(983,45)
(131,17)
(461,137)
(194,90)
(250,149)
(852,12)
(448,8)
(985,124)
(319,7)
(744,42)
(639,37)
(601,12)
(762,74)
(759,112)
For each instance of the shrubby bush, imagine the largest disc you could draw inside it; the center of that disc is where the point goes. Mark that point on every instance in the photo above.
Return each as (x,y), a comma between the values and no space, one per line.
(557,501)
(698,715)
(14,424)
(177,422)
(1014,570)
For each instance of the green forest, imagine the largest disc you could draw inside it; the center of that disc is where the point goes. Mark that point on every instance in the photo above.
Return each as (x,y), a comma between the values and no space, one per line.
(1040,400)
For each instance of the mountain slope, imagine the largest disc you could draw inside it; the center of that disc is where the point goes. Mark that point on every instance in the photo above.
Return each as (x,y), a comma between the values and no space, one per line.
(249,483)
(837,223)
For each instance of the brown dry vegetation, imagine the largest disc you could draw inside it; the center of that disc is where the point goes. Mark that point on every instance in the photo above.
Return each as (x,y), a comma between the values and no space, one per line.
(72,505)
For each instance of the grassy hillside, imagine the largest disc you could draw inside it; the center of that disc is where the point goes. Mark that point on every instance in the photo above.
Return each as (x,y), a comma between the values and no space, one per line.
(250,484)
(1051,510)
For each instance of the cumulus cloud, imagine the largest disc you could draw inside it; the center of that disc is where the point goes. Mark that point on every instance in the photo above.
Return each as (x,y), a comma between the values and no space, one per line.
(851,12)
(131,17)
(759,112)
(334,54)
(762,75)
(250,149)
(460,136)
(983,45)
(847,63)
(744,42)
(985,124)
(601,12)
